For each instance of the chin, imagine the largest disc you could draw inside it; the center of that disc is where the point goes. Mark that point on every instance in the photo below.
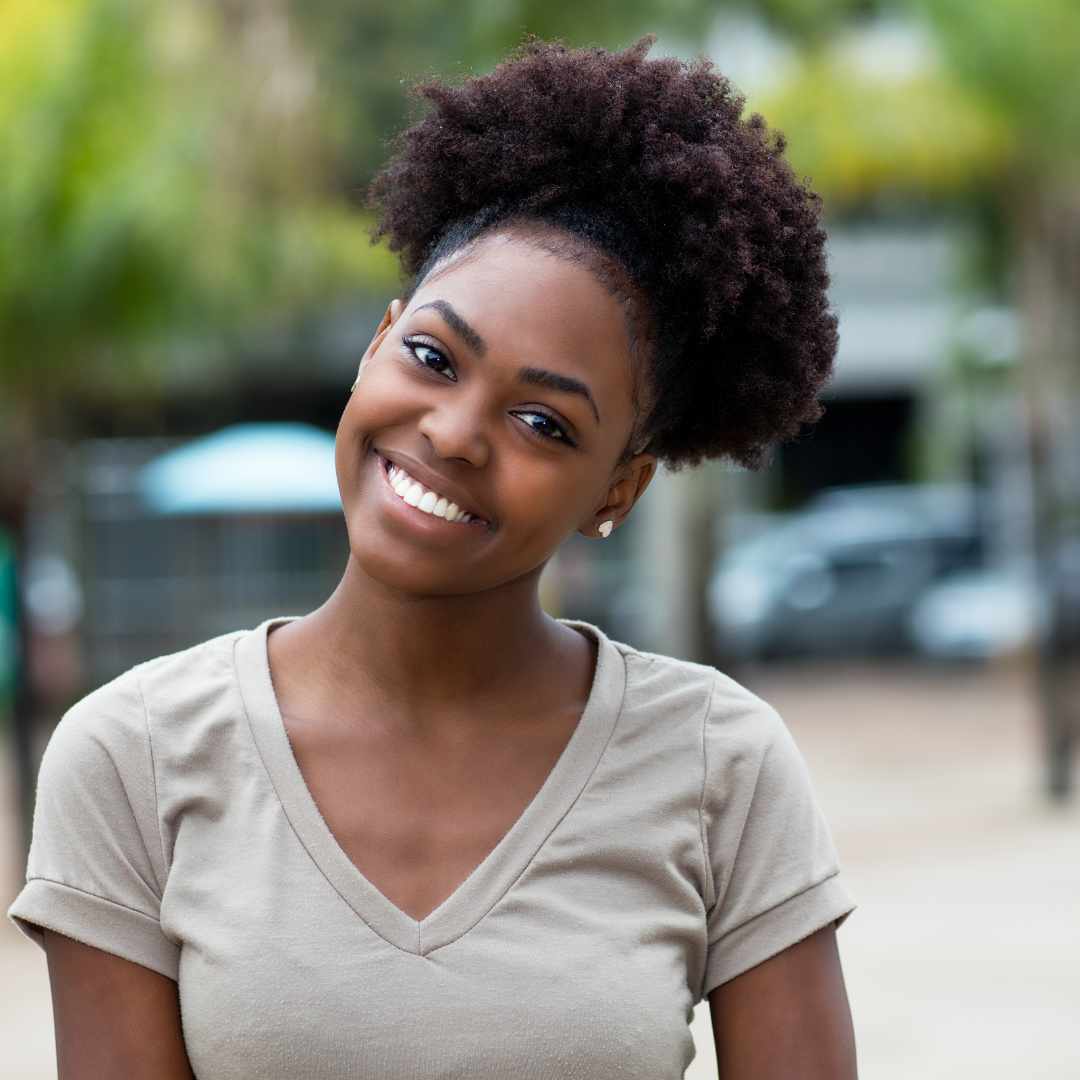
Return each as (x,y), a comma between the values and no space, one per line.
(391,566)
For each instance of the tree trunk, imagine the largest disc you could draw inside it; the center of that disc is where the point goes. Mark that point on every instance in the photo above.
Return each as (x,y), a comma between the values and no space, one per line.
(675,555)
(1047,222)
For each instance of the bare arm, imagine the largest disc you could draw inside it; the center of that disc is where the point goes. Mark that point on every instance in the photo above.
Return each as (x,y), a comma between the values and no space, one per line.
(113,1017)
(788,1018)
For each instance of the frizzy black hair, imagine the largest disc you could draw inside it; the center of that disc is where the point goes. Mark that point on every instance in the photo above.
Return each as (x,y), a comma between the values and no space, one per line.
(648,165)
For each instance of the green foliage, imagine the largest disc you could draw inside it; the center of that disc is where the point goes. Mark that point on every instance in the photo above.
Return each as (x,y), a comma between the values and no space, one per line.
(373,53)
(88,188)
(163,177)
(812,21)
(859,138)
(1023,59)
(160,179)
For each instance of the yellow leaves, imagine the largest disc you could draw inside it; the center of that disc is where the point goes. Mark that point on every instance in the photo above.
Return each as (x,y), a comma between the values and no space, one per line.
(160,174)
(1022,57)
(37,38)
(856,136)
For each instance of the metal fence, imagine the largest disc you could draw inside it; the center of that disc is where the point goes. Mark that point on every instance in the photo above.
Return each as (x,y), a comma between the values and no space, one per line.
(153,584)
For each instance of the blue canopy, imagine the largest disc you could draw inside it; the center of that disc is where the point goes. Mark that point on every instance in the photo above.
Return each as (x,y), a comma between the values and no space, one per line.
(244,468)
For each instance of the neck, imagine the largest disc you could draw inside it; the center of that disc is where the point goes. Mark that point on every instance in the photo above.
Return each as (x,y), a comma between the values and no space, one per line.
(426,653)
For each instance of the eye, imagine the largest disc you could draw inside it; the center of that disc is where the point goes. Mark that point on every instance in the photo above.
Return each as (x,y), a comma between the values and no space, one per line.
(555,432)
(428,357)
(420,351)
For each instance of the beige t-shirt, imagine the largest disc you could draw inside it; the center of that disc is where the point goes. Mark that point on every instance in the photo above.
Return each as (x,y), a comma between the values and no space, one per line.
(676,843)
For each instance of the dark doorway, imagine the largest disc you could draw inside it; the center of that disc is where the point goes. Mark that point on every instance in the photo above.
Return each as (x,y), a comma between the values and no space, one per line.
(859,440)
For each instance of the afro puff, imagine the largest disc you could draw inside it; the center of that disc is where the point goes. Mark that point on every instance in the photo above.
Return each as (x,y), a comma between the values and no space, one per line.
(648,162)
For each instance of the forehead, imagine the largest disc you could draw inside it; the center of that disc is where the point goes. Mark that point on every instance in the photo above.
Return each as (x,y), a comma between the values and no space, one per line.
(532,306)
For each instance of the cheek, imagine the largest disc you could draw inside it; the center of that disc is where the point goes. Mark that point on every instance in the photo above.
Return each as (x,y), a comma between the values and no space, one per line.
(380,380)
(545,499)
(369,410)
(382,399)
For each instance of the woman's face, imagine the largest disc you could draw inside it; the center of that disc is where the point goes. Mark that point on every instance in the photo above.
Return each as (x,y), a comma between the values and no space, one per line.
(440,392)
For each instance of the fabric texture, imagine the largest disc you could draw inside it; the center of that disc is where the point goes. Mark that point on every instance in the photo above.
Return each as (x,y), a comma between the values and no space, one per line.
(676,843)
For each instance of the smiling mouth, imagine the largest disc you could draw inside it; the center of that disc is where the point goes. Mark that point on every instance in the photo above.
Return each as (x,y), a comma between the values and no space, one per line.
(411,492)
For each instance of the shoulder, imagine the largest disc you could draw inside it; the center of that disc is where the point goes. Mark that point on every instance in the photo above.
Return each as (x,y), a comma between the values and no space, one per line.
(729,711)
(106,725)
(113,721)
(207,662)
(736,737)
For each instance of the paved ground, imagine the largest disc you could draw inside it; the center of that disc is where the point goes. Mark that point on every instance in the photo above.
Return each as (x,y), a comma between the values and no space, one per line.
(962,961)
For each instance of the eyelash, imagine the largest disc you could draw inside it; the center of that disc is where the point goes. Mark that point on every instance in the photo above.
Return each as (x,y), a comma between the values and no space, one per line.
(411,346)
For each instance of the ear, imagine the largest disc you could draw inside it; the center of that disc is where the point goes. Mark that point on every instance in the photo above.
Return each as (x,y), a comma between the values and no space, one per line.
(390,316)
(628,486)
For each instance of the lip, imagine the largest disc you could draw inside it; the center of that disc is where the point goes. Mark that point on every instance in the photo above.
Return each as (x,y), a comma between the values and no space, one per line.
(419,517)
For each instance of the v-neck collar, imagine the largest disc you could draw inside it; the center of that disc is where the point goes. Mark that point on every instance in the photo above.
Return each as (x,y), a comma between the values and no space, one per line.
(493,877)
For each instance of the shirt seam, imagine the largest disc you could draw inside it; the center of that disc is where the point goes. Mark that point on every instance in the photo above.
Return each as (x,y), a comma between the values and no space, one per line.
(96,896)
(719,893)
(153,777)
(710,884)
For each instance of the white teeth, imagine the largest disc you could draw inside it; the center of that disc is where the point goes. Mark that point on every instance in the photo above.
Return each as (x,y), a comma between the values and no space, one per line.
(430,502)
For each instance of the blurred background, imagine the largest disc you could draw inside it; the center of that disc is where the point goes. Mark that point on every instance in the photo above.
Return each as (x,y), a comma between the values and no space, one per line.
(186,286)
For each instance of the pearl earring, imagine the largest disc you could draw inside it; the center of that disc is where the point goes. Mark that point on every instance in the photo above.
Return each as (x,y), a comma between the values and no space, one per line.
(605,529)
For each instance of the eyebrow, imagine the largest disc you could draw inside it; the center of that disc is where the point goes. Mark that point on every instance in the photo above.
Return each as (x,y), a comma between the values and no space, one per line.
(534,376)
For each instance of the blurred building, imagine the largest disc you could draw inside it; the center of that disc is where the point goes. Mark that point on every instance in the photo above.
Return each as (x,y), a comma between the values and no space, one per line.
(898,409)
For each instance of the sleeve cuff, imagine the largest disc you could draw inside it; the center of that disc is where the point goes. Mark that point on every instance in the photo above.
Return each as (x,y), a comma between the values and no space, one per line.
(776,929)
(106,925)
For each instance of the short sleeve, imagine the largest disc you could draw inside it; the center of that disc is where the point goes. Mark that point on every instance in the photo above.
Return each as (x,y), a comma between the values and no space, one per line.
(774,869)
(96,866)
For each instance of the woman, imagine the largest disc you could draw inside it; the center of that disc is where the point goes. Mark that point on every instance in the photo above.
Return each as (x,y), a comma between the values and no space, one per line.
(426,829)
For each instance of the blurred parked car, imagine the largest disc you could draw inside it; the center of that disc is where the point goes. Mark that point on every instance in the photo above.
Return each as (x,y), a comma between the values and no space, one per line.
(940,504)
(842,575)
(980,615)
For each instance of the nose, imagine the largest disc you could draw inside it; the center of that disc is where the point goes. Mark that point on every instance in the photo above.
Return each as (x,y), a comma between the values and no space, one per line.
(454,430)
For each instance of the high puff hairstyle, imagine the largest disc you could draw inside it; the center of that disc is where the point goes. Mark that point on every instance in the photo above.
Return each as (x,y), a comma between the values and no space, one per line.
(647,168)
